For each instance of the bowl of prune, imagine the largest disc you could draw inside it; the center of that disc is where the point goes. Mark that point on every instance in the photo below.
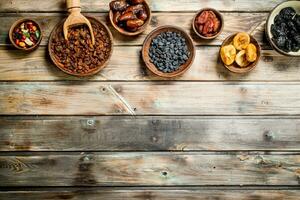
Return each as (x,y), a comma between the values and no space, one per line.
(129,17)
(283,28)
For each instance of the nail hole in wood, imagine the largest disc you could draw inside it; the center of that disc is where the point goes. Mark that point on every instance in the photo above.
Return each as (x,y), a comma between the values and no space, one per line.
(164,173)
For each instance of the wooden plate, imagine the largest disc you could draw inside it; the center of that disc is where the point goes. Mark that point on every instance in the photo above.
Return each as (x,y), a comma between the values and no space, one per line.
(146,46)
(140,30)
(17,23)
(59,28)
(218,14)
(235,67)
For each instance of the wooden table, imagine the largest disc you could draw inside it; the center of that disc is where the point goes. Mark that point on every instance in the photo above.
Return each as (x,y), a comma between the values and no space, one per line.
(127,134)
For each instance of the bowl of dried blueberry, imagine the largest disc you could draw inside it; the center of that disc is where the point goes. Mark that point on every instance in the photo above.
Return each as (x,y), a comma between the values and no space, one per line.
(283,28)
(25,34)
(168,51)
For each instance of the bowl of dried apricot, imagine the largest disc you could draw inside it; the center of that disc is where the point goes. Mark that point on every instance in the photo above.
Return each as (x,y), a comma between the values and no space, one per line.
(240,53)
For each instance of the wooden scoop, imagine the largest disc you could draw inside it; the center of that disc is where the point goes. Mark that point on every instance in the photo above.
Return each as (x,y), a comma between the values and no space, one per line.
(76,18)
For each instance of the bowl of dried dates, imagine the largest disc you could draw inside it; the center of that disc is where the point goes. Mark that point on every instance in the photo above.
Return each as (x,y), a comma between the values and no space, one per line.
(208,23)
(283,28)
(129,17)
(25,34)
(78,56)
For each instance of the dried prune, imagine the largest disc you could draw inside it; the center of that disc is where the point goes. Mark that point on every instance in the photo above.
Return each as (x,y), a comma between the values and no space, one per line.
(297,38)
(287,13)
(295,47)
(280,41)
(288,45)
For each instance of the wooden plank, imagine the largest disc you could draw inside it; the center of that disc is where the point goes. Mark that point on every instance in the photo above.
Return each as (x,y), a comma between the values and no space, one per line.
(234,22)
(162,194)
(165,5)
(149,133)
(159,98)
(126,65)
(149,169)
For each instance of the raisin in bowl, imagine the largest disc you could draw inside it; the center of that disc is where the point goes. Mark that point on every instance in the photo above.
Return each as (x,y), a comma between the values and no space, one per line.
(283,28)
(77,56)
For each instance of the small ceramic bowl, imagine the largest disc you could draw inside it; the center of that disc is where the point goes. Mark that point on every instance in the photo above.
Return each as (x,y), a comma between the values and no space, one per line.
(140,29)
(218,14)
(146,46)
(270,21)
(235,67)
(19,22)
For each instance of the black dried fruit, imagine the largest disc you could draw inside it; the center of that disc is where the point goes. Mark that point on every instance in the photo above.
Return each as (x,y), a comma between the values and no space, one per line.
(168,51)
(288,45)
(280,41)
(286,30)
(287,13)
(295,47)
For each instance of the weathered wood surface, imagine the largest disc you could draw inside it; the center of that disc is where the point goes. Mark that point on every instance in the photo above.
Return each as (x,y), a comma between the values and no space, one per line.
(149,169)
(252,23)
(126,65)
(161,5)
(149,133)
(153,194)
(160,98)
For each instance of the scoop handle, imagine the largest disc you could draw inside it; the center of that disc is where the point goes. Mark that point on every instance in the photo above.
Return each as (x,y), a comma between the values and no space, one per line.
(73,4)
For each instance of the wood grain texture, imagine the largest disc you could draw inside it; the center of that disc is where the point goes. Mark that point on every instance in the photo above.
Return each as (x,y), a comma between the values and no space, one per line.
(149,169)
(162,5)
(160,98)
(149,133)
(252,23)
(153,194)
(126,65)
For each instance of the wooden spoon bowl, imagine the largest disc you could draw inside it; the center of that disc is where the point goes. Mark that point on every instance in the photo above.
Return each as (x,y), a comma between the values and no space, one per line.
(59,28)
(235,67)
(146,46)
(140,29)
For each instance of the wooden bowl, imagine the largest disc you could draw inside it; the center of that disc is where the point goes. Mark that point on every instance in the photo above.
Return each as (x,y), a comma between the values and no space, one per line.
(17,23)
(218,14)
(140,30)
(235,67)
(270,21)
(59,28)
(146,46)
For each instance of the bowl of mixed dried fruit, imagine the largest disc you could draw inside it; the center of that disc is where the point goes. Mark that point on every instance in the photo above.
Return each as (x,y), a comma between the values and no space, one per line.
(25,34)
(283,28)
